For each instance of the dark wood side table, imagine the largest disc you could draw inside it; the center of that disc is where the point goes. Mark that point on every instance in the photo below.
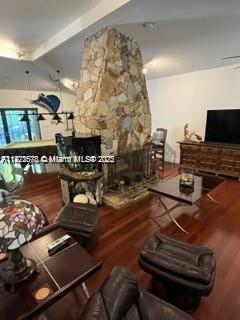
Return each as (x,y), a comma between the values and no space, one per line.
(62,272)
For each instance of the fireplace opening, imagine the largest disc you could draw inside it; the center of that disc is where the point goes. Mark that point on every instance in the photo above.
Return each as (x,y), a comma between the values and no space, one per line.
(129,177)
(131,167)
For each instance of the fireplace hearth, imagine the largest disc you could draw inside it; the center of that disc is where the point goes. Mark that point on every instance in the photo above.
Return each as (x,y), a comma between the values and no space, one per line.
(126,195)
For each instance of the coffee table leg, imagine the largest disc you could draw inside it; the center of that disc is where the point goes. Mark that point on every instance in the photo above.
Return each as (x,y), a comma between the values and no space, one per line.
(164,207)
(176,223)
(167,211)
(85,290)
(211,198)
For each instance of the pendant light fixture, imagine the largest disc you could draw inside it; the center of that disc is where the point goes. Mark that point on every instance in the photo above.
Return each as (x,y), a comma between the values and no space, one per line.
(25,117)
(71,116)
(55,115)
(40,117)
(57,80)
(57,118)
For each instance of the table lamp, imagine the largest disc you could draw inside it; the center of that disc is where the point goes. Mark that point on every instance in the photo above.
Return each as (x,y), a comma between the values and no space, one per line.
(19,221)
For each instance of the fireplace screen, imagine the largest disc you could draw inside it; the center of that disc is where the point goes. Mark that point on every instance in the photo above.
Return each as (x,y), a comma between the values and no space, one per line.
(130,168)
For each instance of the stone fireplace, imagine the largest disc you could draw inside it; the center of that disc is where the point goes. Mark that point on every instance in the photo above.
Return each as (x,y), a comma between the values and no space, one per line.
(112,100)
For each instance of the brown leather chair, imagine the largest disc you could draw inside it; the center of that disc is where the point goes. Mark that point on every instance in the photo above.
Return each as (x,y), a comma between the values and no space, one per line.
(181,272)
(119,298)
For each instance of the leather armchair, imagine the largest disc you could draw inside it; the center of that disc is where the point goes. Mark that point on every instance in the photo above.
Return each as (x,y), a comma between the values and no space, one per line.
(120,298)
(182,267)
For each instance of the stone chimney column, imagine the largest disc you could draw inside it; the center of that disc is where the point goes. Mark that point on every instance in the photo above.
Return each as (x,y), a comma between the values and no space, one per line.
(112,97)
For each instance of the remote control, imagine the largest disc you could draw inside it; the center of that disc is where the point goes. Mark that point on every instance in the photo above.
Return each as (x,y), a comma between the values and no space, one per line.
(58,244)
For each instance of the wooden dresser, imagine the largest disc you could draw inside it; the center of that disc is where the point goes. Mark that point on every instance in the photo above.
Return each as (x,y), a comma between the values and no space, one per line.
(213,158)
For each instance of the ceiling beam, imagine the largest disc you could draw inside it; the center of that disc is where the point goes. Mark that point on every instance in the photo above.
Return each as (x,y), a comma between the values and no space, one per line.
(101,10)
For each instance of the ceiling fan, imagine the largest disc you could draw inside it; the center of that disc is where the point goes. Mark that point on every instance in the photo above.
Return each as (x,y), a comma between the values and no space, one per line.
(232,57)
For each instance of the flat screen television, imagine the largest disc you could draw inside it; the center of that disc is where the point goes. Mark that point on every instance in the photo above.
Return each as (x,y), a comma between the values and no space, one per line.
(223,126)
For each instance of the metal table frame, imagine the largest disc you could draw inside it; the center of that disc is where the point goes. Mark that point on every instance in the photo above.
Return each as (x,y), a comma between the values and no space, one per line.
(177,205)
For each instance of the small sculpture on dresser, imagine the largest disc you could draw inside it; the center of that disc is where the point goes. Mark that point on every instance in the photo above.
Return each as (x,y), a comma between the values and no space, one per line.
(191,135)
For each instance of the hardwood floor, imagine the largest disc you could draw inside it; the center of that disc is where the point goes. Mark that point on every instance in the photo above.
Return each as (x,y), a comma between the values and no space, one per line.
(43,190)
(124,232)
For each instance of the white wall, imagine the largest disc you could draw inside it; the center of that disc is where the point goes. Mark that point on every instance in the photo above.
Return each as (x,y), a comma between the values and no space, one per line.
(20,99)
(185,98)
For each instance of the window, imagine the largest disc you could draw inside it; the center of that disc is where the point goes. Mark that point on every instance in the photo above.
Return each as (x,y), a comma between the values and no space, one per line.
(34,125)
(12,129)
(2,133)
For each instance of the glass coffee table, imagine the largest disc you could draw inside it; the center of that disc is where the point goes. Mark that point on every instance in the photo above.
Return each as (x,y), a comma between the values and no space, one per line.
(171,189)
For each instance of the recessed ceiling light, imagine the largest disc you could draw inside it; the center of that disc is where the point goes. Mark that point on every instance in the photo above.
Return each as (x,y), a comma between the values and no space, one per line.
(149,25)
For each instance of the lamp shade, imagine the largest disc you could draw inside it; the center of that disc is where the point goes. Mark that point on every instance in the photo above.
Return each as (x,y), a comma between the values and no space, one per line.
(57,117)
(71,116)
(40,117)
(25,118)
(19,221)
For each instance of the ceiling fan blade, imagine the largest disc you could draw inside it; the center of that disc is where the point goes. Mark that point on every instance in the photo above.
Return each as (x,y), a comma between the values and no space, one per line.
(231,57)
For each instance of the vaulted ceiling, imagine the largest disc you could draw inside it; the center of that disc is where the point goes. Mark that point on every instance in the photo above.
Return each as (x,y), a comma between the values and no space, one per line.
(189,35)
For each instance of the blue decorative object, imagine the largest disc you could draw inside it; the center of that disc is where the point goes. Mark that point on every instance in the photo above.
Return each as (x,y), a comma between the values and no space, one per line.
(50,102)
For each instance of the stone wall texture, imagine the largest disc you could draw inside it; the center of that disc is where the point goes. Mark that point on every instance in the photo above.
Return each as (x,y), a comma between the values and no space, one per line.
(112,98)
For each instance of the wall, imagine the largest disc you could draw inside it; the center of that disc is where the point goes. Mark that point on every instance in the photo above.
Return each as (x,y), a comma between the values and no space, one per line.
(181,99)
(20,99)
(112,97)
